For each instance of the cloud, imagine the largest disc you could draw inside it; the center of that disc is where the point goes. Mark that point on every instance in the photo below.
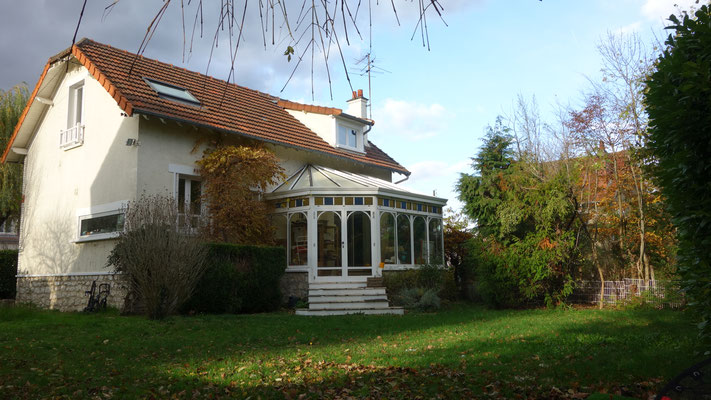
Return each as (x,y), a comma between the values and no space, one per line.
(631,28)
(47,28)
(408,12)
(662,9)
(435,169)
(416,121)
(439,176)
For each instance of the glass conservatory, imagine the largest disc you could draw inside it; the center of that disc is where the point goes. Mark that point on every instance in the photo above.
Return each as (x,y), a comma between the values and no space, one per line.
(341,226)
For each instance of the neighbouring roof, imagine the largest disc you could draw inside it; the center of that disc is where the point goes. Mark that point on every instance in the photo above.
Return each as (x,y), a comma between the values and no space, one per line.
(319,178)
(223,106)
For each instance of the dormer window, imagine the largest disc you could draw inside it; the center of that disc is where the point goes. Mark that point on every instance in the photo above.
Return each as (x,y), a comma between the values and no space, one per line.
(172,92)
(349,138)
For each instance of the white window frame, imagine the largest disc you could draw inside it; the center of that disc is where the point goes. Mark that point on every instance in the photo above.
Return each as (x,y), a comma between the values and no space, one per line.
(102,210)
(72,120)
(358,136)
(189,174)
(73,136)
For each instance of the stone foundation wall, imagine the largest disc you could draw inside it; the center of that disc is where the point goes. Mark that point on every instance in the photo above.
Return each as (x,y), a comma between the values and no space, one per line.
(66,293)
(294,284)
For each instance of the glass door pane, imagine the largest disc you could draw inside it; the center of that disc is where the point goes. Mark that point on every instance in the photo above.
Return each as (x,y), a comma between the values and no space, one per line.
(329,244)
(298,240)
(404,251)
(387,238)
(359,245)
(420,231)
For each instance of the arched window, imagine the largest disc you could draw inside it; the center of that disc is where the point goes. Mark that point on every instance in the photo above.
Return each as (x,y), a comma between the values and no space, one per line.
(435,242)
(280,230)
(359,244)
(329,244)
(404,252)
(298,240)
(387,238)
(420,234)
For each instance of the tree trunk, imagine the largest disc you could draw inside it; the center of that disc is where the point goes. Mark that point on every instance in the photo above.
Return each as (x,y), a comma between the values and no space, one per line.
(642,261)
(602,287)
(619,200)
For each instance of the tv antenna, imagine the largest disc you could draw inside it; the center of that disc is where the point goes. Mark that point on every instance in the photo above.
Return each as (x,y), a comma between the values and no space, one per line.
(366,65)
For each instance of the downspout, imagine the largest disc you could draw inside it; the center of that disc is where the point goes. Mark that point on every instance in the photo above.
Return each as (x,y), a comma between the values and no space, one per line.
(402,180)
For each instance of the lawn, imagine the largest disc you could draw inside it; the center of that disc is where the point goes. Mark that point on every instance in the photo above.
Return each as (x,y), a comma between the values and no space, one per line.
(465,351)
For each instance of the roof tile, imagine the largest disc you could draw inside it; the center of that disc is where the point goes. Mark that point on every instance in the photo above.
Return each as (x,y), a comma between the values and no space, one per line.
(223,105)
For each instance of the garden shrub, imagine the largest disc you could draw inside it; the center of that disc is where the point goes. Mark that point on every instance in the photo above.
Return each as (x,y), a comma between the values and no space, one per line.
(8,270)
(239,279)
(407,287)
(494,290)
(161,260)
(419,298)
(396,281)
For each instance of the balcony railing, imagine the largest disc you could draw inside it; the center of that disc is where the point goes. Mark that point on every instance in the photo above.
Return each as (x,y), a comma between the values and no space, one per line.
(72,137)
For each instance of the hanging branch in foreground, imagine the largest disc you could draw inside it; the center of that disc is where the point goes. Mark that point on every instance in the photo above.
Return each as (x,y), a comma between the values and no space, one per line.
(316,27)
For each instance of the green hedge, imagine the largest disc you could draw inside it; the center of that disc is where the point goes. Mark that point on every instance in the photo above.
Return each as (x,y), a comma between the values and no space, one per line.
(239,279)
(8,270)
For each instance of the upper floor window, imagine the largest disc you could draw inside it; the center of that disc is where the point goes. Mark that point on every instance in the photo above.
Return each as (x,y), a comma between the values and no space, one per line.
(76,105)
(348,137)
(73,136)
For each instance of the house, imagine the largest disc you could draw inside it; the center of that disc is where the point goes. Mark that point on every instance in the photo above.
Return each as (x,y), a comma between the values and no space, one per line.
(103,125)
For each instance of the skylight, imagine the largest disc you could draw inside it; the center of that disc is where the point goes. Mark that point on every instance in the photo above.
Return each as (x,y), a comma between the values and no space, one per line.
(172,92)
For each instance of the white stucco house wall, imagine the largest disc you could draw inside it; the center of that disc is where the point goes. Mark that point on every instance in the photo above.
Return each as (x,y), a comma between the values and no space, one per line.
(104,125)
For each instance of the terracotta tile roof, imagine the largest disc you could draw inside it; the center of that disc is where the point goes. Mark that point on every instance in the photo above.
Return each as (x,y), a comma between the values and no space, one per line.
(223,106)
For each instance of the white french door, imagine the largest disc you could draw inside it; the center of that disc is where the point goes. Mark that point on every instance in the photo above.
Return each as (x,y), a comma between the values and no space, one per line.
(344,245)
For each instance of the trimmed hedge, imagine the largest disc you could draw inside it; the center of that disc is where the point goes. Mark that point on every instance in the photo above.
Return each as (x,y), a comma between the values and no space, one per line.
(239,279)
(8,270)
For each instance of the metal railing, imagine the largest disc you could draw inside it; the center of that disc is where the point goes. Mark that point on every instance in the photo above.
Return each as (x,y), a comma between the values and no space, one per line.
(72,137)
(627,291)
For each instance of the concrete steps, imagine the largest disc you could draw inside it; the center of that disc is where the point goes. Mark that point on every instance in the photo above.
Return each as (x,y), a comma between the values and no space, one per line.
(340,298)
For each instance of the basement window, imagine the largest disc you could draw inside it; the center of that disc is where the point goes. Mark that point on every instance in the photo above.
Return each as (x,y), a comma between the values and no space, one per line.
(172,92)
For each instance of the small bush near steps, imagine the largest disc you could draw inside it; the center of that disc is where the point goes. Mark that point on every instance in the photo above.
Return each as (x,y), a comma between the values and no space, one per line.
(421,288)
(420,299)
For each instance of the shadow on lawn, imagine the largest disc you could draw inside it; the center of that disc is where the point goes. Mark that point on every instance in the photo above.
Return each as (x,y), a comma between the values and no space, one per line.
(278,355)
(630,357)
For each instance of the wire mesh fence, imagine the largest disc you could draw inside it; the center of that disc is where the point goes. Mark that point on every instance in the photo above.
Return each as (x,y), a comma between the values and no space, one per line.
(659,294)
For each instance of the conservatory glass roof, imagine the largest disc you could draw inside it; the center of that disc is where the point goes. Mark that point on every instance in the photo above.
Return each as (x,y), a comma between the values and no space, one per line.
(323,178)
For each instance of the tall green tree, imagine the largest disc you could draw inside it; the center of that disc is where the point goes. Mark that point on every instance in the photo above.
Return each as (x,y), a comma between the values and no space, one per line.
(678,100)
(482,192)
(12,103)
(525,246)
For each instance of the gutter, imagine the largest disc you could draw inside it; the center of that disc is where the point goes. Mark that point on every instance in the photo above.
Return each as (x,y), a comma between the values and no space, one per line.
(402,180)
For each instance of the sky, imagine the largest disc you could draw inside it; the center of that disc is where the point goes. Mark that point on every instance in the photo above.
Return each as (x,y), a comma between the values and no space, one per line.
(431,106)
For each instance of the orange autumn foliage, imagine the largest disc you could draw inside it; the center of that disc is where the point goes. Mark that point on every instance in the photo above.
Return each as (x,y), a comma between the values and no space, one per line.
(235,179)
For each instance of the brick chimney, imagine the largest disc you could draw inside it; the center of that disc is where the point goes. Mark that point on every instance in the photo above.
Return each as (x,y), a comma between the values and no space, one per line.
(358,105)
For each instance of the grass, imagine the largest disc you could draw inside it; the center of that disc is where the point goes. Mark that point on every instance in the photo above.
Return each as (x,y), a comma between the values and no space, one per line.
(465,351)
